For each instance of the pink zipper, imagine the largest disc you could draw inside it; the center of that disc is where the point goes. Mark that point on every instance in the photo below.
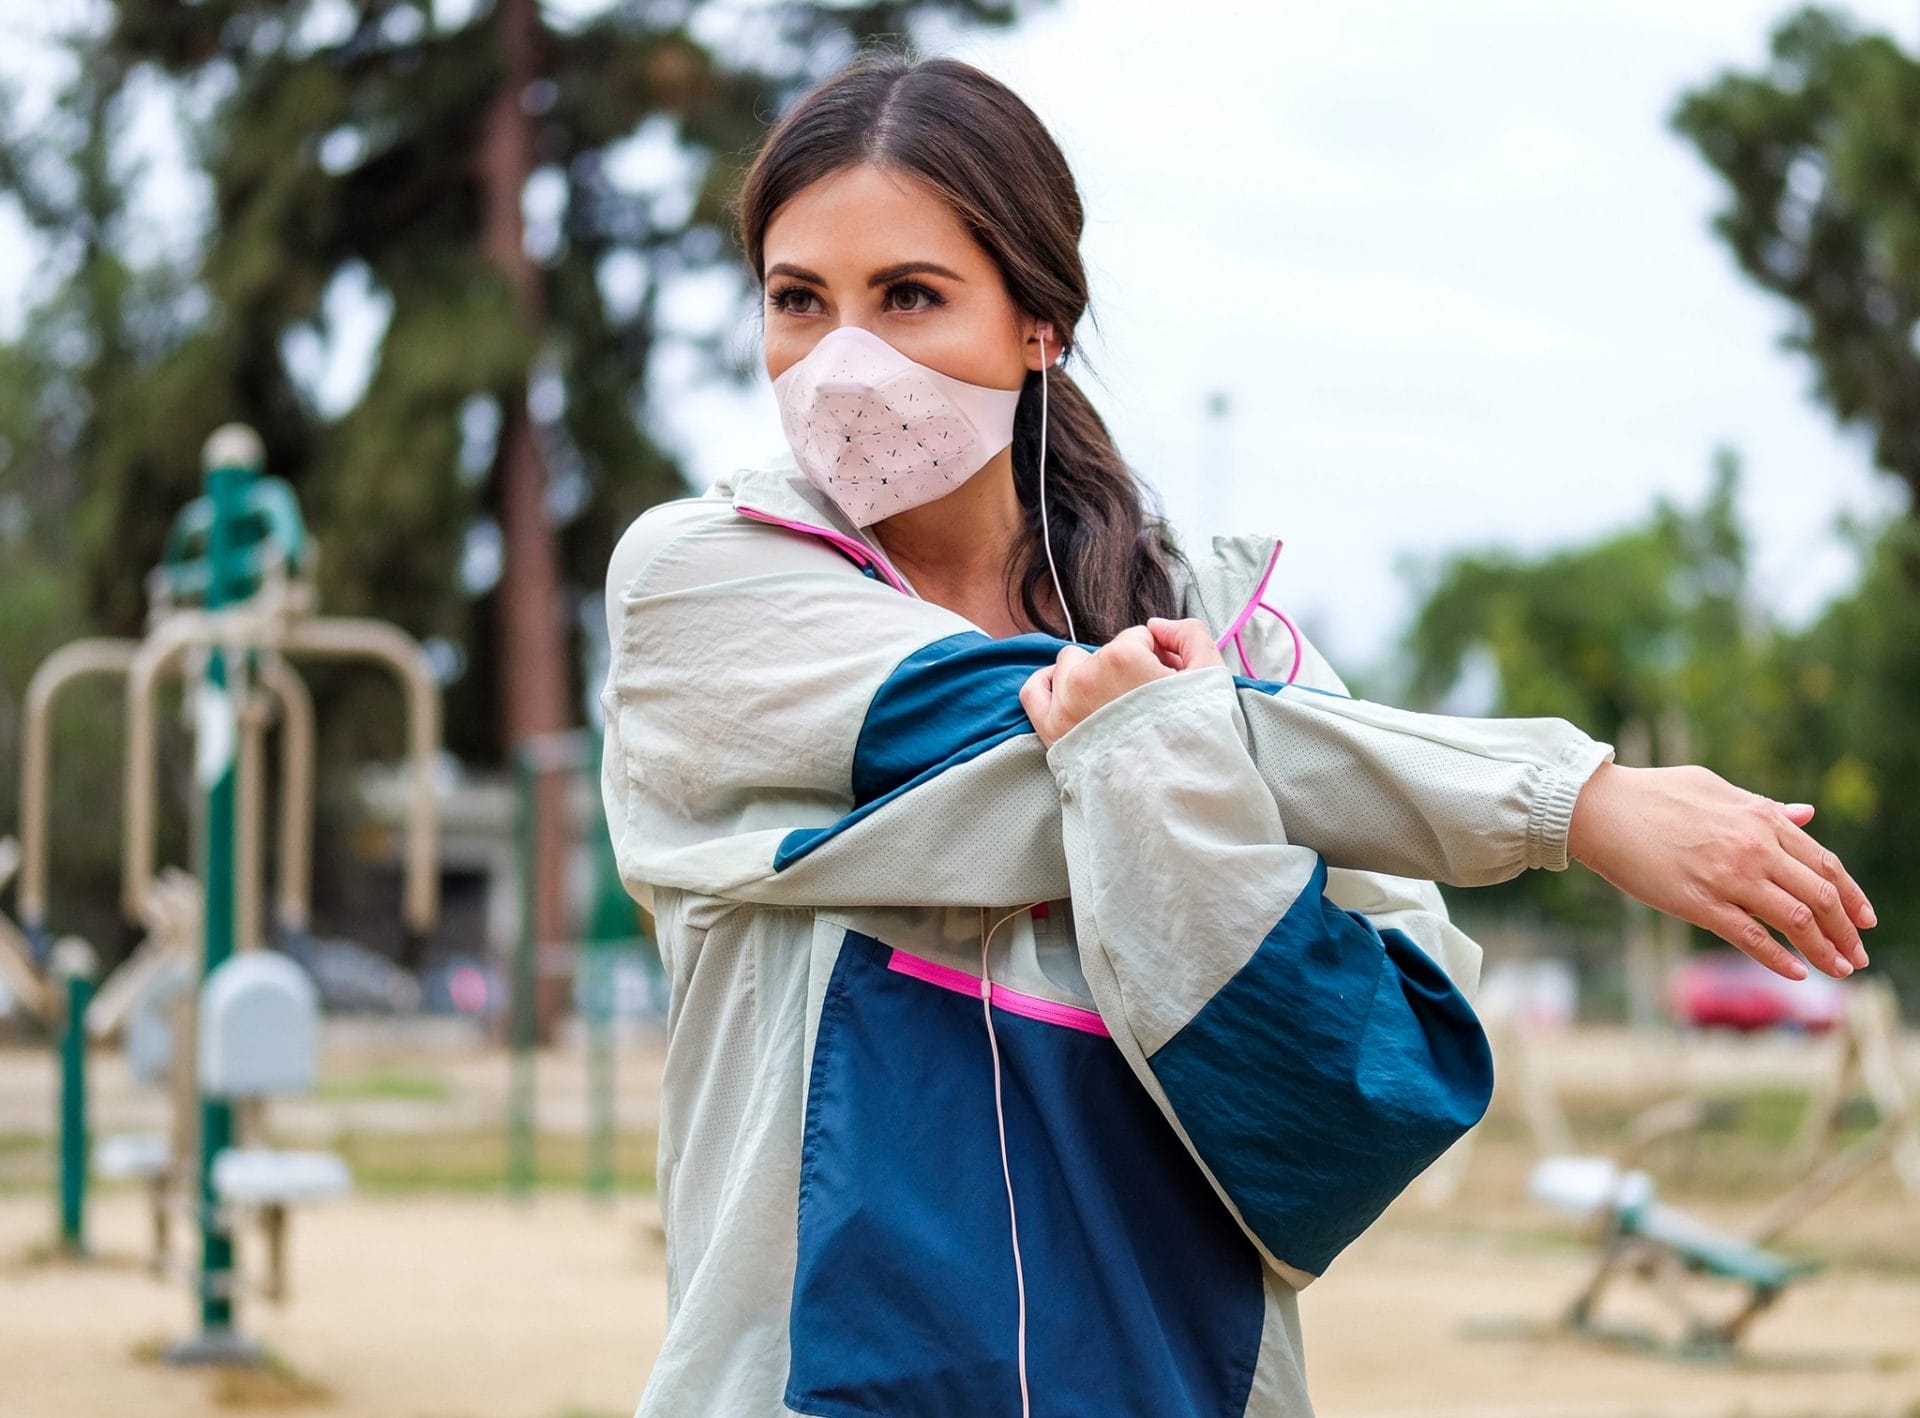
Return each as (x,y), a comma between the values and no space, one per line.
(861,554)
(1087,1021)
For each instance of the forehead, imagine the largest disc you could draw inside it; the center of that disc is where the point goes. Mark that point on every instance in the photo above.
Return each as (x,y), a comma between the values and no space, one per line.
(861,218)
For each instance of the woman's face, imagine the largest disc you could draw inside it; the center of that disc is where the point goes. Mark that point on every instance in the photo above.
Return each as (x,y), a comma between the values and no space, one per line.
(880,250)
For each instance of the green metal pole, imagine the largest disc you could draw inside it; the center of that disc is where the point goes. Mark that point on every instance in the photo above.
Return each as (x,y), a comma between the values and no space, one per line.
(520,1130)
(74,960)
(215,738)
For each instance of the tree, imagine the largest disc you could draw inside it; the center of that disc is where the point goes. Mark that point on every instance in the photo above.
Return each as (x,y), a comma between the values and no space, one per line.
(1848,727)
(515,188)
(503,434)
(1820,152)
(96,319)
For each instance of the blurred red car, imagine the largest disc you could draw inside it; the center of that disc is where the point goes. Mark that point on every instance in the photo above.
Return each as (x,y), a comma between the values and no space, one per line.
(1728,990)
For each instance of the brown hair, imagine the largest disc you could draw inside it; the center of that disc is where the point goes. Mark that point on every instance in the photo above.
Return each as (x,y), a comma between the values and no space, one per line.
(967,136)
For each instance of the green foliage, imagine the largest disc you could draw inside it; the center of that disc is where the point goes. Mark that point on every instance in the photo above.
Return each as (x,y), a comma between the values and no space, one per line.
(1820,155)
(1847,728)
(1600,634)
(1647,634)
(1656,626)
(1820,152)
(366,151)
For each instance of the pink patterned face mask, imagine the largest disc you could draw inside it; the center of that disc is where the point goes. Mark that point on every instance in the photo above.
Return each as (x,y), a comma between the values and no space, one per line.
(879,432)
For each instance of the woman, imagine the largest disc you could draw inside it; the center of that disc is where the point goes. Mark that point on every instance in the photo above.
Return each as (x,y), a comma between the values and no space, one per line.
(1043,1018)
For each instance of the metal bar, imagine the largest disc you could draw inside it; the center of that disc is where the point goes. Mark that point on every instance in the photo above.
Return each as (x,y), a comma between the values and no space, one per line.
(520,1128)
(216,729)
(322,638)
(293,906)
(60,669)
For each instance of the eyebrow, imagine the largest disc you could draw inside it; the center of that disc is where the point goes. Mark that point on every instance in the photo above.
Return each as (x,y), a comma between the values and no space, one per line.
(878,278)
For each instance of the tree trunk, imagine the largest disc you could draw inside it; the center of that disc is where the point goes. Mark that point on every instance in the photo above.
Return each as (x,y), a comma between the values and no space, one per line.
(532,627)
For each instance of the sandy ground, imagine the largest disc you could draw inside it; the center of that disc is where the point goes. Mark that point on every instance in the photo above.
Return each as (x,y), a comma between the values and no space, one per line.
(448,1306)
(469,1308)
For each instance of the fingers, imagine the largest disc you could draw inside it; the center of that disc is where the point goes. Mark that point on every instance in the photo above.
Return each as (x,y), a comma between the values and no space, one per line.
(1797,921)
(1741,931)
(1853,901)
(1036,697)
(1128,660)
(1823,897)
(1183,644)
(1037,690)
(1132,647)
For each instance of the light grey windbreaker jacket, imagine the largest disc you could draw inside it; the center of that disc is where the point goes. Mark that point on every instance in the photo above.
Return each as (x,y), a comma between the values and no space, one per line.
(1235,1026)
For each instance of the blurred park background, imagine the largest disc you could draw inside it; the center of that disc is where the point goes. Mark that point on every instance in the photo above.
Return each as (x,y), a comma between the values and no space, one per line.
(1573,350)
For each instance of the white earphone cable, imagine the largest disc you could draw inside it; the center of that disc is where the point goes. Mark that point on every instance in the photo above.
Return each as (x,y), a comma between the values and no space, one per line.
(1046,533)
(1006,1168)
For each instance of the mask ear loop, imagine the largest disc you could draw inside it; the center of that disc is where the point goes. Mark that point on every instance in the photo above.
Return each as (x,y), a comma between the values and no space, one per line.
(1006,1168)
(1046,533)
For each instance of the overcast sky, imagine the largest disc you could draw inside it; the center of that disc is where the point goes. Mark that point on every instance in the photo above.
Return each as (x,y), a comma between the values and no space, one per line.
(1447,262)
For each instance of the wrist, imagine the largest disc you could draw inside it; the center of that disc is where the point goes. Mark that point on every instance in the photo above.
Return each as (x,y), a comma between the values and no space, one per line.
(1590,807)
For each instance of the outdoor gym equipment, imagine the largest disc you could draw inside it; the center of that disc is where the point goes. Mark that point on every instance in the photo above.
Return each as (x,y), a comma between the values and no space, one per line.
(19,962)
(1640,1235)
(231,605)
(1867,1047)
(259,1037)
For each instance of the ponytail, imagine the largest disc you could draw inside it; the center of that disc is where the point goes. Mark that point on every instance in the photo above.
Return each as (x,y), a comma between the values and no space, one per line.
(1114,551)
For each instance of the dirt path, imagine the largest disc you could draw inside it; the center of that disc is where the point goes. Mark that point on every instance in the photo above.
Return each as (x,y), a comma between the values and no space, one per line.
(466,1308)
(414,1308)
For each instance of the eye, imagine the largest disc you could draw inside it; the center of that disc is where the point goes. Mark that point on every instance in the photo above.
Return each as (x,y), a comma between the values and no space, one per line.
(933,297)
(778,299)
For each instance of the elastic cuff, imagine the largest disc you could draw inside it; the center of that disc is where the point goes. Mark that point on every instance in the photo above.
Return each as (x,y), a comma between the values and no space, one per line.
(1141,708)
(1552,814)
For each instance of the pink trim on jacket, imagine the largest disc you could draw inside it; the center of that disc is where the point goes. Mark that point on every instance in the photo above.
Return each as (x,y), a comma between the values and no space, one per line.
(1087,1021)
(1257,602)
(861,553)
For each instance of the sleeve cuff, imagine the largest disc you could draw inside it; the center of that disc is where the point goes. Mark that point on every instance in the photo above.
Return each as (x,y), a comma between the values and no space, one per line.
(1552,814)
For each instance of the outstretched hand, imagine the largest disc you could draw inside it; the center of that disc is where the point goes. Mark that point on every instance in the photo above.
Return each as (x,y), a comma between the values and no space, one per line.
(1688,842)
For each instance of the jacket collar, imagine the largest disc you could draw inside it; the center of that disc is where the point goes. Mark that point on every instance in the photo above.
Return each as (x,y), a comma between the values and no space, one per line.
(1217,585)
